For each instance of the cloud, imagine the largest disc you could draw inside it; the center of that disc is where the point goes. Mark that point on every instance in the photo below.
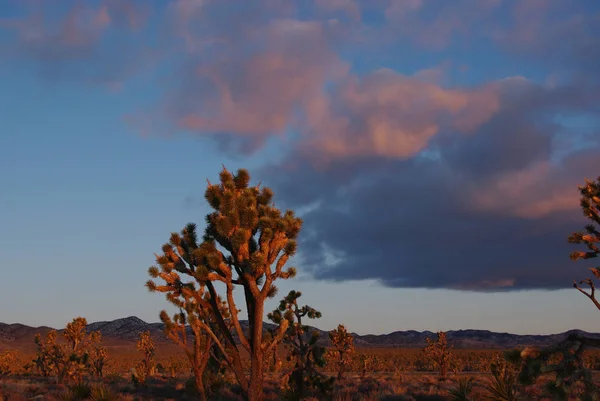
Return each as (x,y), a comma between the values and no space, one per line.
(388,114)
(564,36)
(486,211)
(408,170)
(75,40)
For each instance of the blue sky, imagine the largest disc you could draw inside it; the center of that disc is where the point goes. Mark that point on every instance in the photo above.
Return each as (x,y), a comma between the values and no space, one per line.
(114,114)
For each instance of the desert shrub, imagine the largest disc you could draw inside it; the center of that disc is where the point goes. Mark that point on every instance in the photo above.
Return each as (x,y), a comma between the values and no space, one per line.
(103,393)
(439,352)
(146,367)
(8,361)
(342,350)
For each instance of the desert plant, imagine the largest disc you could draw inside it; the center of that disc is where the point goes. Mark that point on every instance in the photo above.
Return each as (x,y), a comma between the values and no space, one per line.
(302,348)
(102,393)
(97,354)
(80,391)
(463,390)
(343,348)
(75,332)
(590,205)
(50,357)
(258,239)
(82,352)
(145,368)
(199,320)
(439,352)
(8,361)
(175,366)
(562,361)
(503,386)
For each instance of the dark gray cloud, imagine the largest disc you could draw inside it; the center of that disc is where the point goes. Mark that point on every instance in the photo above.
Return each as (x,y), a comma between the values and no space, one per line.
(488,211)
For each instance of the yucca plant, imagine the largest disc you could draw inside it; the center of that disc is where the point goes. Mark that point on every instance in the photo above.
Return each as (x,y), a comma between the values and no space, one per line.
(503,386)
(462,391)
(103,393)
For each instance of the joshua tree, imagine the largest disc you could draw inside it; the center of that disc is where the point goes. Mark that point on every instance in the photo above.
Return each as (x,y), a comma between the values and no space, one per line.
(81,352)
(75,332)
(147,365)
(98,354)
(200,320)
(246,244)
(8,361)
(305,351)
(590,204)
(439,352)
(570,368)
(49,355)
(343,348)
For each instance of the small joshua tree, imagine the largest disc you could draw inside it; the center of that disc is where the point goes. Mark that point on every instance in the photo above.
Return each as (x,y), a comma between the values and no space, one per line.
(72,359)
(305,351)
(97,354)
(200,319)
(75,332)
(8,361)
(343,348)
(439,352)
(246,245)
(49,355)
(590,205)
(147,365)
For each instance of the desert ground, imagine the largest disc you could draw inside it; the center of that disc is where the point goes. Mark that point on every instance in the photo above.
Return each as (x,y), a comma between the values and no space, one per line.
(382,373)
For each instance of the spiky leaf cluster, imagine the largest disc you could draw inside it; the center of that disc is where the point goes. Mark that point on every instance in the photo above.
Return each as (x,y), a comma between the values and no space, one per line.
(250,228)
(590,205)
(75,332)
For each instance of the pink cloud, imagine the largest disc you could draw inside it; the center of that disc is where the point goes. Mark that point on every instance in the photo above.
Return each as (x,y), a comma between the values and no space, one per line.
(66,39)
(80,28)
(392,115)
(260,94)
(542,189)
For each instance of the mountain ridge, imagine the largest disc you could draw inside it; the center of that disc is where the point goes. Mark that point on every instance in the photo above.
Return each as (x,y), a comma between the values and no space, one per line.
(127,329)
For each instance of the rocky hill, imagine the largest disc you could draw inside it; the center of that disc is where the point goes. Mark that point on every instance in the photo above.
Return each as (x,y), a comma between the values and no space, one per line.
(128,329)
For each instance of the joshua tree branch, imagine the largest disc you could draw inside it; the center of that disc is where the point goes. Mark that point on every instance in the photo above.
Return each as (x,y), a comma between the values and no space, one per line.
(233,311)
(592,294)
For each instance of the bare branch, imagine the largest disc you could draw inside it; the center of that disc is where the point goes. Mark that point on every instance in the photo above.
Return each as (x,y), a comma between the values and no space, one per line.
(592,294)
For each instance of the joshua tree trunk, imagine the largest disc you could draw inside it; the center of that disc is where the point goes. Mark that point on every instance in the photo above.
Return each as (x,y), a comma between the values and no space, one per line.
(255,390)
(198,373)
(341,371)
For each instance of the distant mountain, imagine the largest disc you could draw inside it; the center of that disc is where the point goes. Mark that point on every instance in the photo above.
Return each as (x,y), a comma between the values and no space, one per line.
(126,330)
